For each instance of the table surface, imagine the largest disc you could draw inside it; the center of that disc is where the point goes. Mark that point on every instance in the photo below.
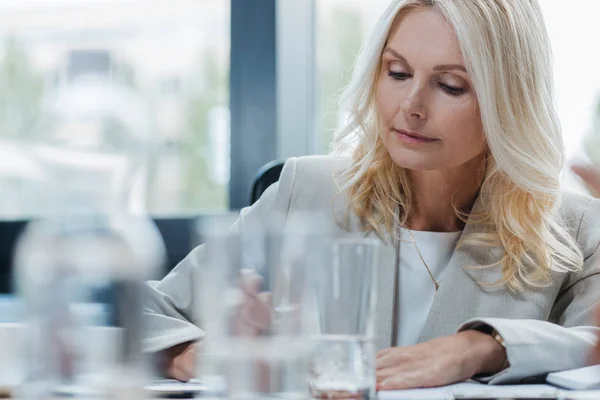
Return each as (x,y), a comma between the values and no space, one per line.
(11,310)
(530,392)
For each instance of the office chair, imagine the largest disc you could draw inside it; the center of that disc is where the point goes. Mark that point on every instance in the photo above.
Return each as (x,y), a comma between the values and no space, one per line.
(10,230)
(267,175)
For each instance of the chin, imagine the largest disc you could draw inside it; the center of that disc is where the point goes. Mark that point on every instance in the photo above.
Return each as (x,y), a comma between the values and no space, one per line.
(416,162)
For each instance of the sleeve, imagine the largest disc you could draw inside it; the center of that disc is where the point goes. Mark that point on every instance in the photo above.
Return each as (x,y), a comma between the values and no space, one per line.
(566,341)
(168,310)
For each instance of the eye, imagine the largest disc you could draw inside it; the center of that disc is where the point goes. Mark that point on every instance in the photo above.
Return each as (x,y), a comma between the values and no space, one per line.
(398,76)
(452,90)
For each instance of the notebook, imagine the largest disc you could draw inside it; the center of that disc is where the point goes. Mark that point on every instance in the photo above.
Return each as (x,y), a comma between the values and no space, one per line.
(577,379)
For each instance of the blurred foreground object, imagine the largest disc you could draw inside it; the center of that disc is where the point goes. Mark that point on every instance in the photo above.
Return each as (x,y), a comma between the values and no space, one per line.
(80,268)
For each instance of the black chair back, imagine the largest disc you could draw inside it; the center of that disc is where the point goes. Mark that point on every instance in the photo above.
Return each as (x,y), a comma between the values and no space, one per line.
(9,233)
(265,177)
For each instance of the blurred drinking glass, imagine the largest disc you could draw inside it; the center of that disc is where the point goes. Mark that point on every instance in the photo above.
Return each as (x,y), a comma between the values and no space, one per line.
(81,282)
(344,273)
(255,309)
(81,266)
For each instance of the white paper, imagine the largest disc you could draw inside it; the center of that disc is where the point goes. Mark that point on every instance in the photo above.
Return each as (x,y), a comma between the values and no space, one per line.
(175,386)
(581,394)
(472,389)
(578,379)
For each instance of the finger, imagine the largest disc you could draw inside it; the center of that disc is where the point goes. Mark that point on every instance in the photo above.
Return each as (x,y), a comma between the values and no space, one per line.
(400,380)
(250,281)
(188,365)
(392,358)
(406,366)
(243,327)
(385,361)
(256,313)
(177,350)
(383,374)
(383,352)
(185,375)
(395,382)
(266,298)
(172,358)
(176,372)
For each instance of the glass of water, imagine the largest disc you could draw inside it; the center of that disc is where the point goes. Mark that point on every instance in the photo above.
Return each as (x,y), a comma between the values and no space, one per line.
(252,296)
(344,277)
(80,278)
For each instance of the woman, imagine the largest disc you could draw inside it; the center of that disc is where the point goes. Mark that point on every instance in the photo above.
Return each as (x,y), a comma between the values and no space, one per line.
(487,270)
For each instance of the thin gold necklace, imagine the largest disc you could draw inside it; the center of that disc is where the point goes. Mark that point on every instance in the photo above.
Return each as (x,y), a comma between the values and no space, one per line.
(412,238)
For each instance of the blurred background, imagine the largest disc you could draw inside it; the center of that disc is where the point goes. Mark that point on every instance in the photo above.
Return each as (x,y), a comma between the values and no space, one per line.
(215,89)
(283,63)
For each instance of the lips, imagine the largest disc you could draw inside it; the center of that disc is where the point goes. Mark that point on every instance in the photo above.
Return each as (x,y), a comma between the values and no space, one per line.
(413,137)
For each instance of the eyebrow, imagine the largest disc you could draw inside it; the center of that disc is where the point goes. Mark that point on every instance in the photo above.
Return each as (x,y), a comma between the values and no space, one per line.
(443,67)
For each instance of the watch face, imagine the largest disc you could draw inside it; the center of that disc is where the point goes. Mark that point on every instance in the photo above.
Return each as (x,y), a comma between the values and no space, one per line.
(498,338)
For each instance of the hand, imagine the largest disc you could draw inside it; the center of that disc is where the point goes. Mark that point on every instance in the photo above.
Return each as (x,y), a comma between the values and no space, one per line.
(439,362)
(179,362)
(590,174)
(250,318)
(253,316)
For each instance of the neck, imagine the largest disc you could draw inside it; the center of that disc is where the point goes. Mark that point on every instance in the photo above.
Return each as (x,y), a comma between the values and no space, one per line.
(436,193)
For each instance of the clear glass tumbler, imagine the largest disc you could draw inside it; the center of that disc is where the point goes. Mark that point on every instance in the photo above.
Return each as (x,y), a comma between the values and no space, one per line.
(254,307)
(343,279)
(81,281)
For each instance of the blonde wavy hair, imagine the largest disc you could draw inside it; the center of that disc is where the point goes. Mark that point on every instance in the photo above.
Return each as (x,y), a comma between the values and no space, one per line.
(508,57)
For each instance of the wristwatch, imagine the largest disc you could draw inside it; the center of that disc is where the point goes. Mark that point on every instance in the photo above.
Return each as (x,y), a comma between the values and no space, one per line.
(498,338)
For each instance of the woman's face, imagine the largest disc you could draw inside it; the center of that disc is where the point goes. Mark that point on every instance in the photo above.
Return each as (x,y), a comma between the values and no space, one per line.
(427,108)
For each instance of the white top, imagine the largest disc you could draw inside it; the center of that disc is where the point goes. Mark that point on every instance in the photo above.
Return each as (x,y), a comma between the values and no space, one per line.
(415,287)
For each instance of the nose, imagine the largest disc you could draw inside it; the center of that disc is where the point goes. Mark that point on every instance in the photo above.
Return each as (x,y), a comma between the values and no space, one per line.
(413,106)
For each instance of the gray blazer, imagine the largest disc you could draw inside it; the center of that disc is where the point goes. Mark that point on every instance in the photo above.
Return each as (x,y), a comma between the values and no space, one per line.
(547,329)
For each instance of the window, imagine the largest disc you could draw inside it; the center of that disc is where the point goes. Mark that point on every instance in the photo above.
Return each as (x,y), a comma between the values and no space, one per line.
(342,26)
(572,29)
(172,56)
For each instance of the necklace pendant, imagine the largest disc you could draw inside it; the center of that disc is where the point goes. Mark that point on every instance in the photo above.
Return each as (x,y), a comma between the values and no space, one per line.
(435,282)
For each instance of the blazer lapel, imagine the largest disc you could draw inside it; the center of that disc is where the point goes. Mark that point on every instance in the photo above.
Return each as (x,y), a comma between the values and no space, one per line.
(454,303)
(385,294)
(457,298)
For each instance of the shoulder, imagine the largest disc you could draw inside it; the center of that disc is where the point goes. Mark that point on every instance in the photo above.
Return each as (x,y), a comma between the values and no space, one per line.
(318,167)
(581,215)
(306,184)
(311,180)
